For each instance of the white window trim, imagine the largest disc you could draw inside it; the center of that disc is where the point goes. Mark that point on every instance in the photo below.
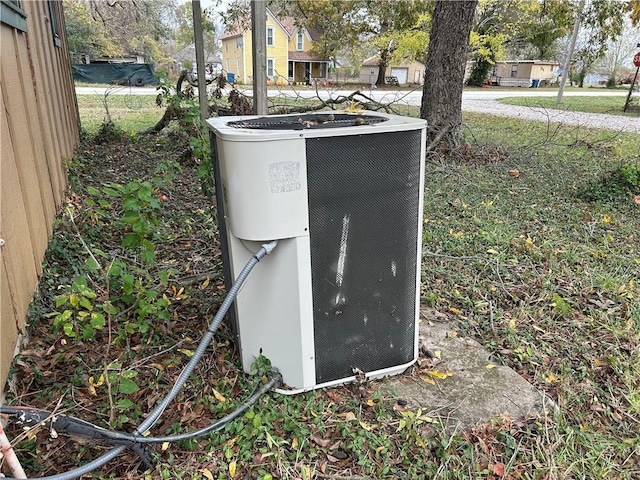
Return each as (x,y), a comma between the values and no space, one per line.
(273,67)
(300,42)
(273,37)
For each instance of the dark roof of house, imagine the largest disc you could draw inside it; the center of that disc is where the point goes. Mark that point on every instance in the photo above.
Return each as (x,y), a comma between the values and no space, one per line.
(301,56)
(233,31)
(371,61)
(288,23)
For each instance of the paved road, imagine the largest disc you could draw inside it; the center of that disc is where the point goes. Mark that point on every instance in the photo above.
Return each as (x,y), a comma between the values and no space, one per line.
(483,101)
(580,119)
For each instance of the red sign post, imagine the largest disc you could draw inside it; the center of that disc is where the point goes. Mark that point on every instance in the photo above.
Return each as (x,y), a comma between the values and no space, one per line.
(636,62)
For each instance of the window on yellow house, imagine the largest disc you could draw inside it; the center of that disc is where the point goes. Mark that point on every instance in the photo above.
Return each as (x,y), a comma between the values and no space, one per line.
(300,42)
(270,36)
(270,67)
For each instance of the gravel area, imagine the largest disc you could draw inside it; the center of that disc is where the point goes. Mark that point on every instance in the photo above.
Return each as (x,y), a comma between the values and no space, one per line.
(592,120)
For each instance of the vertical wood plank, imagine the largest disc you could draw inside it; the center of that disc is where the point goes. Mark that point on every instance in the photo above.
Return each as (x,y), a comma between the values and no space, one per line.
(17,251)
(68,83)
(8,328)
(34,128)
(18,129)
(50,55)
(45,95)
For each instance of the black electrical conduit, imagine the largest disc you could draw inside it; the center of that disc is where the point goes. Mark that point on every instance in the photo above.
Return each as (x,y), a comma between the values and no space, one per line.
(136,439)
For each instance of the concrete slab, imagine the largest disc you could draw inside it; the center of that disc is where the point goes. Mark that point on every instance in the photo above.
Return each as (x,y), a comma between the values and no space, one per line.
(475,391)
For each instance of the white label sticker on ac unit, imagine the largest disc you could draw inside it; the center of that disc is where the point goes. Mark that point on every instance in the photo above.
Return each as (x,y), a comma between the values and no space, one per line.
(284,177)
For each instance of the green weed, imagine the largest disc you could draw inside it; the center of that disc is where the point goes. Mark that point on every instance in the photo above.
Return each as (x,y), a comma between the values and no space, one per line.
(613,185)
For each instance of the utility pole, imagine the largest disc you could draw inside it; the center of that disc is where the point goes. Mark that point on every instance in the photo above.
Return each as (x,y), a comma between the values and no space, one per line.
(259,53)
(199,42)
(572,46)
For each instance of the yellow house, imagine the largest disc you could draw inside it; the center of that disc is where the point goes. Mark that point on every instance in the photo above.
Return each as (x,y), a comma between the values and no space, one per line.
(288,53)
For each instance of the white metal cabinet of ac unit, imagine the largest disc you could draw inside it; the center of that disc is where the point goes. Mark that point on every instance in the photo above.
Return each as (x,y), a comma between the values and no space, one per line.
(343,194)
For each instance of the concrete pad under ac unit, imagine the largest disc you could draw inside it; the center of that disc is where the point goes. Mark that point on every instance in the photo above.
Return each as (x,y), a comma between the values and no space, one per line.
(478,389)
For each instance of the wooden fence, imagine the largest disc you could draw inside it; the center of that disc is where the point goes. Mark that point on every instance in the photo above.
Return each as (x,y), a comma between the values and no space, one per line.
(40,128)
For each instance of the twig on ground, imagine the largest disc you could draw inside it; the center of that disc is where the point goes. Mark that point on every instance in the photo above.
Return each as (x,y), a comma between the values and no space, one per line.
(162,352)
(454,257)
(340,477)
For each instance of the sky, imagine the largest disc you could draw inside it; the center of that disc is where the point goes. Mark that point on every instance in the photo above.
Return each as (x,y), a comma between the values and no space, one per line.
(209,3)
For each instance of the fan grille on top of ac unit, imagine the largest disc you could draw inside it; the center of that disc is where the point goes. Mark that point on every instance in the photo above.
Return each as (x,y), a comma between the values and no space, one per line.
(308,121)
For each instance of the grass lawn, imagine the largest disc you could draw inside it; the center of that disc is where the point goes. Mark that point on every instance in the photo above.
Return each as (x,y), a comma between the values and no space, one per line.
(612,105)
(130,112)
(531,245)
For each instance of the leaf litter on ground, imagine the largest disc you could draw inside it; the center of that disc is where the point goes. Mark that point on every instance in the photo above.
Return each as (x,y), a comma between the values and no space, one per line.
(564,314)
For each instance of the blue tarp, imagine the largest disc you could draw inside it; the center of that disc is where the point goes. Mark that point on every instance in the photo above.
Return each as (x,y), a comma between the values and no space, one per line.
(136,74)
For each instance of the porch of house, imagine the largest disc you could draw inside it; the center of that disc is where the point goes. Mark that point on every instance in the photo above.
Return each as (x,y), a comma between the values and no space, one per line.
(307,72)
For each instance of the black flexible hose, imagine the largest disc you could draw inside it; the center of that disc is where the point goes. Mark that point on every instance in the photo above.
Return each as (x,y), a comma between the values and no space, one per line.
(75,426)
(182,379)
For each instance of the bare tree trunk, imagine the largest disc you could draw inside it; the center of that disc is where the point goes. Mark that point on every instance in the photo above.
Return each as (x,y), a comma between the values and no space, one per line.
(383,63)
(581,76)
(444,72)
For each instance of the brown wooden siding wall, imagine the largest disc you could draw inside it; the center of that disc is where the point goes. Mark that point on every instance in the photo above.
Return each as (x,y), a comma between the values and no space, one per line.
(39,122)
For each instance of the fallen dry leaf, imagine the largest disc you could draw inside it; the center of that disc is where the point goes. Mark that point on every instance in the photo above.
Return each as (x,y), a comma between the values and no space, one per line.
(368,428)
(349,416)
(219,396)
(335,397)
(321,442)
(439,375)
(514,172)
(428,380)
(207,473)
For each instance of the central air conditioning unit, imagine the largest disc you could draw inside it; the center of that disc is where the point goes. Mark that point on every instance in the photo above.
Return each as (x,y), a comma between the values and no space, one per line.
(343,194)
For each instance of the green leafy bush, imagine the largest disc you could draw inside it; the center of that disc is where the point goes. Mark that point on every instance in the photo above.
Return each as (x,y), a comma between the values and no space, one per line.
(108,132)
(613,185)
